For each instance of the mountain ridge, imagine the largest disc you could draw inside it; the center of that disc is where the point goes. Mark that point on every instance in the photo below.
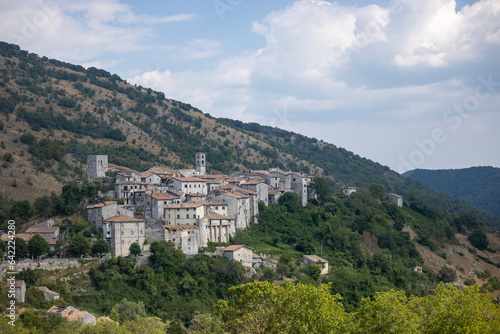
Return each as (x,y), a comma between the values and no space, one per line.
(91,111)
(479,186)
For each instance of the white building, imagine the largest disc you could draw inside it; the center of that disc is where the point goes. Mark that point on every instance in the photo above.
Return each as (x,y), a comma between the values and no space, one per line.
(238,207)
(300,185)
(189,185)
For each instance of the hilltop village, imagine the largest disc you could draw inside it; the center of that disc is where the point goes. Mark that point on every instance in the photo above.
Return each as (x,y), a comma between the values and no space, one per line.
(188,207)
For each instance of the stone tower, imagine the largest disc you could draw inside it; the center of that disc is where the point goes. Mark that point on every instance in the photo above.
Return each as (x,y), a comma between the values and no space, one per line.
(97,166)
(200,163)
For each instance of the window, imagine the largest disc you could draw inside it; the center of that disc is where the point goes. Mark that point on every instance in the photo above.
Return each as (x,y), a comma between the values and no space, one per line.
(178,216)
(187,216)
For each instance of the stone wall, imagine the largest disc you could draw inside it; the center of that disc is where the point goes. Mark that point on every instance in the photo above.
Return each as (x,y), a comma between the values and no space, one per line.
(47,264)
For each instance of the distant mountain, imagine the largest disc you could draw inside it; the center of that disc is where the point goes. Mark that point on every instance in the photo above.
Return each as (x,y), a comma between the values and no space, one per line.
(478,186)
(72,112)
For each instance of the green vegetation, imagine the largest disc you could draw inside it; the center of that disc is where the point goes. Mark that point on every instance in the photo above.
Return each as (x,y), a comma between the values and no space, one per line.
(478,186)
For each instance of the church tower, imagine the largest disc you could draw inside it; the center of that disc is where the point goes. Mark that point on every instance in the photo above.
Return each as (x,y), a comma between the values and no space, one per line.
(200,163)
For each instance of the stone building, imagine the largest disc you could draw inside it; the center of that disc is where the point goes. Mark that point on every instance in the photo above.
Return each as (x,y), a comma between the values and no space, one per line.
(121,231)
(238,207)
(97,166)
(396,199)
(19,289)
(184,237)
(239,253)
(310,259)
(97,213)
(300,185)
(200,163)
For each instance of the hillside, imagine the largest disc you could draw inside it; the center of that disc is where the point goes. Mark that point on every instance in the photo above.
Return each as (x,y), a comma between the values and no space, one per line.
(73,112)
(478,186)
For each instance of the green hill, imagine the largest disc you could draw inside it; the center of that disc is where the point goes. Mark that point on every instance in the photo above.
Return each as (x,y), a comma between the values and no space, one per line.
(478,186)
(73,112)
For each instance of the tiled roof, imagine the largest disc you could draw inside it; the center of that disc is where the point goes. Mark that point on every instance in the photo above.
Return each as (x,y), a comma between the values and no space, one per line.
(193,204)
(17,284)
(160,197)
(37,230)
(100,205)
(235,195)
(196,194)
(189,179)
(126,183)
(122,219)
(180,227)
(235,247)
(215,215)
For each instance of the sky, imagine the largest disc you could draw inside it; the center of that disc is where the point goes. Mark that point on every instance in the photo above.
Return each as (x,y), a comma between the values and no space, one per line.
(406,83)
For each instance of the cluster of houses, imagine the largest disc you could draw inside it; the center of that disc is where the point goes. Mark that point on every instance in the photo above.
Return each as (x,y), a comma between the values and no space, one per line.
(189,206)
(46,230)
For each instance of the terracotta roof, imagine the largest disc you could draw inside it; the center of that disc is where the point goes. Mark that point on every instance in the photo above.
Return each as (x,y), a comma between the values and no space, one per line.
(227,186)
(208,202)
(100,205)
(37,230)
(160,197)
(189,179)
(45,289)
(215,215)
(180,227)
(151,188)
(24,236)
(392,194)
(196,194)
(75,315)
(256,256)
(235,195)
(185,205)
(234,247)
(122,219)
(17,284)
(247,191)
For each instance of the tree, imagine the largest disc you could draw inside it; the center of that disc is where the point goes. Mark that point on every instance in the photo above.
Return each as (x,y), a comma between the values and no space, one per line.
(38,246)
(100,246)
(27,138)
(377,190)
(447,274)
(135,249)
(478,239)
(129,310)
(79,245)
(322,188)
(294,308)
(290,200)
(313,270)
(21,248)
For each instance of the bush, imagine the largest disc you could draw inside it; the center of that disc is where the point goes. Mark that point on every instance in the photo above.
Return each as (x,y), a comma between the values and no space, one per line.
(478,239)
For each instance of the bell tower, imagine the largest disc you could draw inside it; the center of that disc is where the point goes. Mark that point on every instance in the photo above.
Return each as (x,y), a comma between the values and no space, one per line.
(200,163)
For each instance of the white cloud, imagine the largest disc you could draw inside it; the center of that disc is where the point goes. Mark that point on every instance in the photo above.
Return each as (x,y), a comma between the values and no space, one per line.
(78,31)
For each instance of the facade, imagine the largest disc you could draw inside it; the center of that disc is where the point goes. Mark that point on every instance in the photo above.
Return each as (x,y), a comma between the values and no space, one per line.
(48,294)
(97,166)
(19,288)
(97,213)
(189,185)
(219,227)
(239,253)
(159,202)
(396,199)
(122,231)
(46,232)
(126,189)
(300,185)
(260,187)
(238,207)
(200,163)
(310,259)
(184,237)
(184,214)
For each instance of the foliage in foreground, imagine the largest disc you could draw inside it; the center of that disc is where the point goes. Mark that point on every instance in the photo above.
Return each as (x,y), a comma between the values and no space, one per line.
(267,308)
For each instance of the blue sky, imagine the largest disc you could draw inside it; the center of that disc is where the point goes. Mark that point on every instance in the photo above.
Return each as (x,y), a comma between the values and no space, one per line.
(407,83)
